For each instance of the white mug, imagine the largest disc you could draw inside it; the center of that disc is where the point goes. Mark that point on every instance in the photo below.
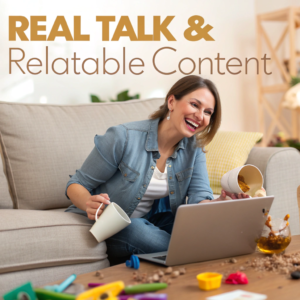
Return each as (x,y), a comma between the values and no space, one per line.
(112,220)
(252,175)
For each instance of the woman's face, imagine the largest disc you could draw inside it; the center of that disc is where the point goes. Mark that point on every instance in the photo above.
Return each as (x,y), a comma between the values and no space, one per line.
(192,113)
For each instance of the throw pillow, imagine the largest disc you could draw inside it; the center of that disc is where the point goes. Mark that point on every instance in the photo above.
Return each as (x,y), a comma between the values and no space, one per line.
(228,150)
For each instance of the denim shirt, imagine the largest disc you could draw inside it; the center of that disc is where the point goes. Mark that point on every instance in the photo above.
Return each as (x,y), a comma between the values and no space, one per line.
(122,164)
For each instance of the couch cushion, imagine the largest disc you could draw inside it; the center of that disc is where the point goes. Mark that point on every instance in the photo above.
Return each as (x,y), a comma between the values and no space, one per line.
(228,150)
(44,144)
(36,239)
(5,199)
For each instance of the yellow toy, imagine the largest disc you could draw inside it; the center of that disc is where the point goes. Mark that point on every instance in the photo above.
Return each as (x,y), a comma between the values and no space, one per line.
(209,281)
(108,291)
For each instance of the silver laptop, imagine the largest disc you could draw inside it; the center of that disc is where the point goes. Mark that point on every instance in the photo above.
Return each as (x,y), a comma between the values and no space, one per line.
(214,230)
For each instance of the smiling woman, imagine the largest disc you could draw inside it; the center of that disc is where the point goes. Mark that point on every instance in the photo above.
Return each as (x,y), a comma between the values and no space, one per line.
(195,101)
(150,167)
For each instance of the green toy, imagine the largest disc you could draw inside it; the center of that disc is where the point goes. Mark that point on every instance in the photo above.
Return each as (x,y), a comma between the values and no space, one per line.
(43,294)
(23,292)
(143,288)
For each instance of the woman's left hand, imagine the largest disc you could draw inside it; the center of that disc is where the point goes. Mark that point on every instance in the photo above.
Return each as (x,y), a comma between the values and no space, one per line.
(233,196)
(225,196)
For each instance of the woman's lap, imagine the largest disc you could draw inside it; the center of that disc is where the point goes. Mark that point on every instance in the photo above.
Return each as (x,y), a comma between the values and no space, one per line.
(141,236)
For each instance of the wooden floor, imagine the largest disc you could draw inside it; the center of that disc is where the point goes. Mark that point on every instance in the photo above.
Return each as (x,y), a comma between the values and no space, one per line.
(275,286)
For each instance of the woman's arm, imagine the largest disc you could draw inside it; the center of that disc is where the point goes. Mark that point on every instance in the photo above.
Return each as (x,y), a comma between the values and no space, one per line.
(100,166)
(82,199)
(199,188)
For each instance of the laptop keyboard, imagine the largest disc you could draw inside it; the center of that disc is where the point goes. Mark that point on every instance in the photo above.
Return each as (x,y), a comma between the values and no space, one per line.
(161,257)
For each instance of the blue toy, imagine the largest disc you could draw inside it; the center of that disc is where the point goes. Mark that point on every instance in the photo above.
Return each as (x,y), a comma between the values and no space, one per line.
(134,262)
(59,288)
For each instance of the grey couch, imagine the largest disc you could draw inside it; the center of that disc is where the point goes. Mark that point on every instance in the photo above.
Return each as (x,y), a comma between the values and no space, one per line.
(41,145)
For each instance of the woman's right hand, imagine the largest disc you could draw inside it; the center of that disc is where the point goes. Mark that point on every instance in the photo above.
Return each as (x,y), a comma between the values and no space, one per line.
(93,204)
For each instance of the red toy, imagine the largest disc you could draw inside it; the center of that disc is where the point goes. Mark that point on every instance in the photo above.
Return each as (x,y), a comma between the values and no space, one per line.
(237,278)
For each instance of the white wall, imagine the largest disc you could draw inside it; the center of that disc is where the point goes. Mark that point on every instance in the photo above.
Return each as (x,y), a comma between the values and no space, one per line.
(234,34)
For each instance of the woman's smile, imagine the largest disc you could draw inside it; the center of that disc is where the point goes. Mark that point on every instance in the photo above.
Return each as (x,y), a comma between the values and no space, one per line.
(194,111)
(191,124)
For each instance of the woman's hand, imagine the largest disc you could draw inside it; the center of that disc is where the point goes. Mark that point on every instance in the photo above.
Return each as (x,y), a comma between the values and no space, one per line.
(225,196)
(233,196)
(93,204)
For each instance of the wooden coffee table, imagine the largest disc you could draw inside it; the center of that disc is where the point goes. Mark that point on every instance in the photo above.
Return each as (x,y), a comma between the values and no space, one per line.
(275,286)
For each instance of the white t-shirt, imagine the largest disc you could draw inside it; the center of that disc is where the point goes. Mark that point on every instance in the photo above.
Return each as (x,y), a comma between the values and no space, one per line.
(158,188)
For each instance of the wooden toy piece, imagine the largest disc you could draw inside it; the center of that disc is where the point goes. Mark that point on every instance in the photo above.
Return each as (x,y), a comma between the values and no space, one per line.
(108,291)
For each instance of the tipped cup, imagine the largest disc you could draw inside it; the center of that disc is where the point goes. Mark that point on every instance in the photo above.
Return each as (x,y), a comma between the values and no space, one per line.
(112,220)
(252,175)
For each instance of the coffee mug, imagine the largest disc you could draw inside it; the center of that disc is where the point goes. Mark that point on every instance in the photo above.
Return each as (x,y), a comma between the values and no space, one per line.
(112,220)
(252,175)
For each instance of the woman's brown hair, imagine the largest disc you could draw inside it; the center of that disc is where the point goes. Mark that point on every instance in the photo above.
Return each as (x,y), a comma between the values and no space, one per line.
(185,86)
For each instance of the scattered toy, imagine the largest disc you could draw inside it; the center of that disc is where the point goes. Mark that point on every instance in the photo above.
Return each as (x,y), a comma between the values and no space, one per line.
(107,291)
(22,291)
(237,278)
(143,288)
(43,294)
(146,296)
(295,275)
(61,287)
(134,262)
(209,281)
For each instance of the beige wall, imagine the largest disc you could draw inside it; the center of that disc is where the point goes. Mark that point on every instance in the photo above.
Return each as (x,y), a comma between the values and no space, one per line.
(234,33)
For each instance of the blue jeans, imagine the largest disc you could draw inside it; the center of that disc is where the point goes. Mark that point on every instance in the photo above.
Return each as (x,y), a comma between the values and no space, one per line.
(141,236)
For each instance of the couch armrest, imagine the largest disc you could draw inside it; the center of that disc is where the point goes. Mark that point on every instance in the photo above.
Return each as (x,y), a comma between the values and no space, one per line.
(281,170)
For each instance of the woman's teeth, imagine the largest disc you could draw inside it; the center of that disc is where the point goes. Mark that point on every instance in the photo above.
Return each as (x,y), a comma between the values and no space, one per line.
(194,125)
